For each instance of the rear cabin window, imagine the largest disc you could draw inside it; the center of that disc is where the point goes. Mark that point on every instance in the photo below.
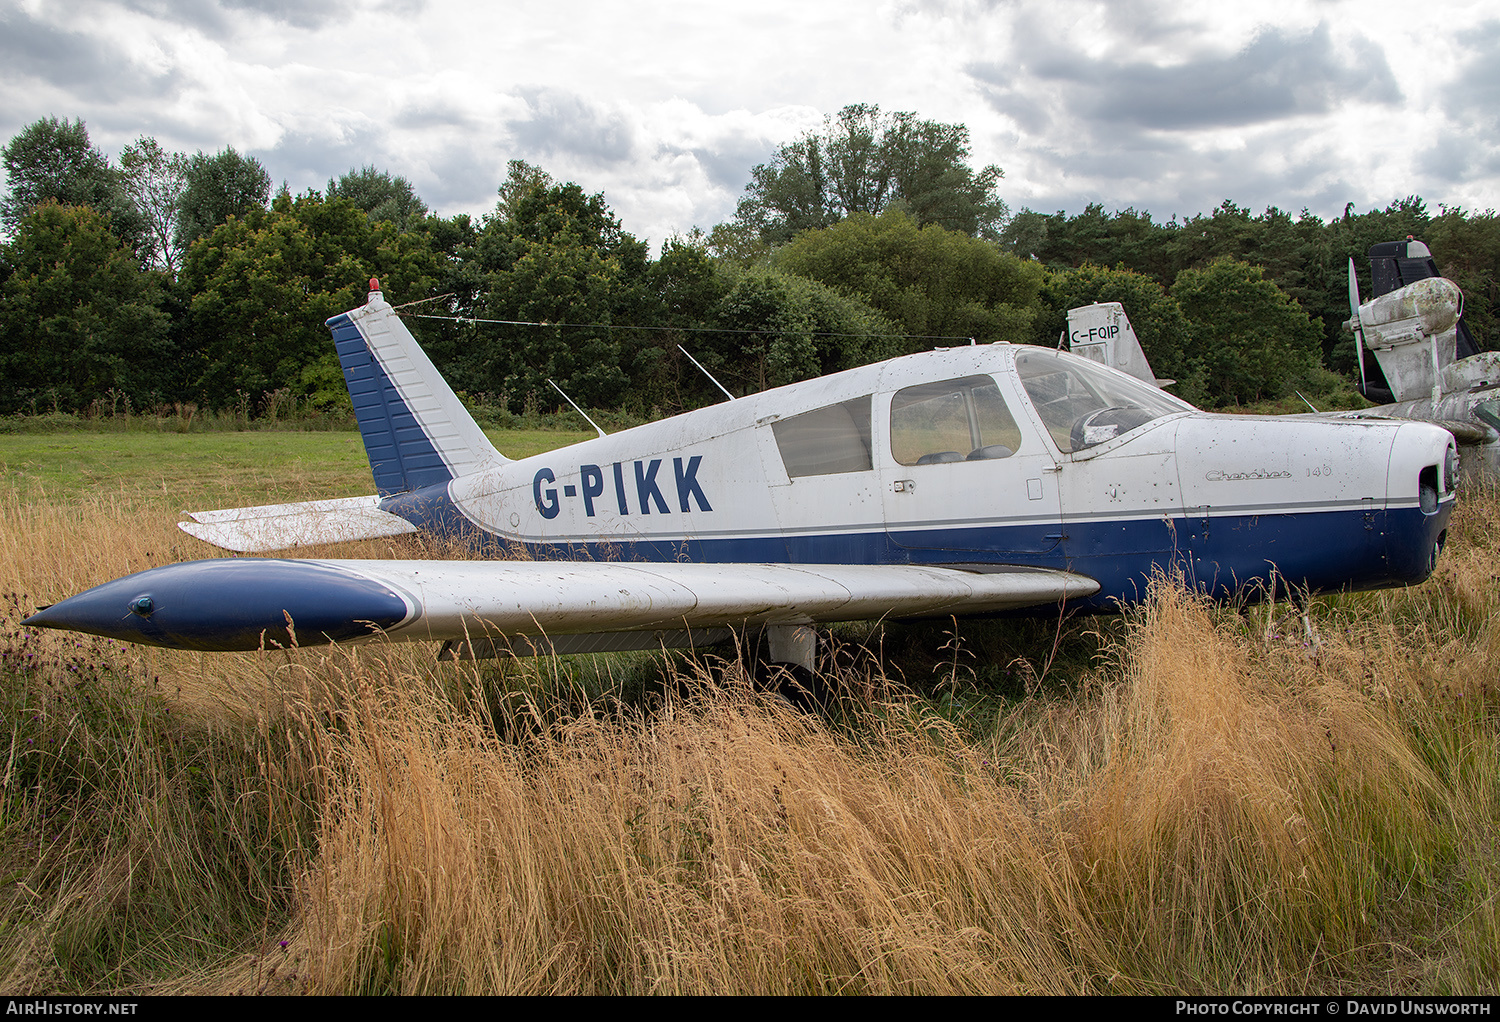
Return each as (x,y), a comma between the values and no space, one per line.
(955,420)
(826,441)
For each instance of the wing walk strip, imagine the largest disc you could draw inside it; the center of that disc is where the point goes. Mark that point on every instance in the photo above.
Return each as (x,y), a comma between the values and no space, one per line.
(458,599)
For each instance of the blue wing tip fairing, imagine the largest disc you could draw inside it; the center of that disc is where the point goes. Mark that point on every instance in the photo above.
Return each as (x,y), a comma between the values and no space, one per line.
(229,604)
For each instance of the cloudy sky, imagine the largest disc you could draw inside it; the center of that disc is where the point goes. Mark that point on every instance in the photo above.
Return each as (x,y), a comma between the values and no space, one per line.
(665,105)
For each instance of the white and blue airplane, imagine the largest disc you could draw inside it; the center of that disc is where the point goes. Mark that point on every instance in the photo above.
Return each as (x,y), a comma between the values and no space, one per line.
(969,480)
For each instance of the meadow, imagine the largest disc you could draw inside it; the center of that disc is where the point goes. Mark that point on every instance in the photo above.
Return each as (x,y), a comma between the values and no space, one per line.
(1184,799)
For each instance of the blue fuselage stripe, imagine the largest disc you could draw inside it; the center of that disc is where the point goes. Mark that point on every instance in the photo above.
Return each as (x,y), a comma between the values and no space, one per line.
(1317,550)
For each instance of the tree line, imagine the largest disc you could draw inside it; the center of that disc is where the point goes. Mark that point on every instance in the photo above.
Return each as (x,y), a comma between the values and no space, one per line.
(167,278)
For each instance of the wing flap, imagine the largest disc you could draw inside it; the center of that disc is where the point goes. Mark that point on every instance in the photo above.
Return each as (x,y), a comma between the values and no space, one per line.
(253,530)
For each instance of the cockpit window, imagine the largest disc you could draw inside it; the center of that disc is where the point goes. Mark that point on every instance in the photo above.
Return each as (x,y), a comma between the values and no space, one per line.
(1083,404)
(955,420)
(826,441)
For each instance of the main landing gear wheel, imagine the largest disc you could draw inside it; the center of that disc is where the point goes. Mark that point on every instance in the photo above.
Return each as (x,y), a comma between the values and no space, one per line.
(782,659)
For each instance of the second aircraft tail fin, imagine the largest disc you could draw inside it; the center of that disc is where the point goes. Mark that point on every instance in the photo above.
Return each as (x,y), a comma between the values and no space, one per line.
(1103,333)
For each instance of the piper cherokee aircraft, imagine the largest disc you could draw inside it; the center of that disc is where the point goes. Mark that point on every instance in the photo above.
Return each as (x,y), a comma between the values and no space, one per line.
(967,480)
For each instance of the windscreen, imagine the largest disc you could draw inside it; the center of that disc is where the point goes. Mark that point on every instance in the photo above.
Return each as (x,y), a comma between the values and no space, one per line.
(1082,403)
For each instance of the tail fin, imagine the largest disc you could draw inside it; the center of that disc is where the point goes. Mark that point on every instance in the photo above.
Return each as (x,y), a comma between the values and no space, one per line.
(1103,333)
(416,431)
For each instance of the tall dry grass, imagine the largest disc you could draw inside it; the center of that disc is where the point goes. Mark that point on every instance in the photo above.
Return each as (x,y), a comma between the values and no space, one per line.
(1215,804)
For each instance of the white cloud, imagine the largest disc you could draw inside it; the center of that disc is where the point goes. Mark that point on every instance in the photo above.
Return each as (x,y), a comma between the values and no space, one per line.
(666,105)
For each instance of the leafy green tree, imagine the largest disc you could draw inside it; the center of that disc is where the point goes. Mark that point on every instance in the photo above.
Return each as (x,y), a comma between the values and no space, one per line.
(263,285)
(1467,249)
(686,282)
(52,159)
(775,345)
(866,162)
(780,328)
(557,256)
(788,195)
(79,319)
(933,182)
(1158,320)
(521,180)
(1304,257)
(218,187)
(1127,238)
(450,242)
(1230,231)
(155,179)
(932,282)
(381,196)
(1253,341)
(737,243)
(1026,234)
(684,288)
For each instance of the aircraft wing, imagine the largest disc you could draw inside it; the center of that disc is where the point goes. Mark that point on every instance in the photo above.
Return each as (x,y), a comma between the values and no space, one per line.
(254,530)
(245,603)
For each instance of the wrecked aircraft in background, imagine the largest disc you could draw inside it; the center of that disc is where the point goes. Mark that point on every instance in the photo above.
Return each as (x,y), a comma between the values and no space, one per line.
(1417,357)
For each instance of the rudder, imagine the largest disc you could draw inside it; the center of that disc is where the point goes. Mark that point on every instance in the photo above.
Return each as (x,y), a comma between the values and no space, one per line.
(416,431)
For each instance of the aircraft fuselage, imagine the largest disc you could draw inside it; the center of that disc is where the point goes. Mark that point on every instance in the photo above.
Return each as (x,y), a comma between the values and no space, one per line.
(961,457)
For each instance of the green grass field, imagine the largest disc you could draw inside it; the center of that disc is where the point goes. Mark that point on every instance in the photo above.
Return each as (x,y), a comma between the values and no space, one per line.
(195,471)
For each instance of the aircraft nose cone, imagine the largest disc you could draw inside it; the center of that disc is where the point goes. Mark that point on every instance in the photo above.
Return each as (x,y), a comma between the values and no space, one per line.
(230,604)
(1420,486)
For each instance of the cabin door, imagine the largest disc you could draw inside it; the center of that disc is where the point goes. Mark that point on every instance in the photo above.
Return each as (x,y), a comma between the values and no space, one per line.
(964,476)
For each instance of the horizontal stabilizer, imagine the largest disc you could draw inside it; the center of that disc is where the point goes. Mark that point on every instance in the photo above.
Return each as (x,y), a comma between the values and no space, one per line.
(253,530)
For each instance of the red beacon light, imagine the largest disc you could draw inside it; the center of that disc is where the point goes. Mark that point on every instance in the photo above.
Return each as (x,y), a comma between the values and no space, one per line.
(375,294)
